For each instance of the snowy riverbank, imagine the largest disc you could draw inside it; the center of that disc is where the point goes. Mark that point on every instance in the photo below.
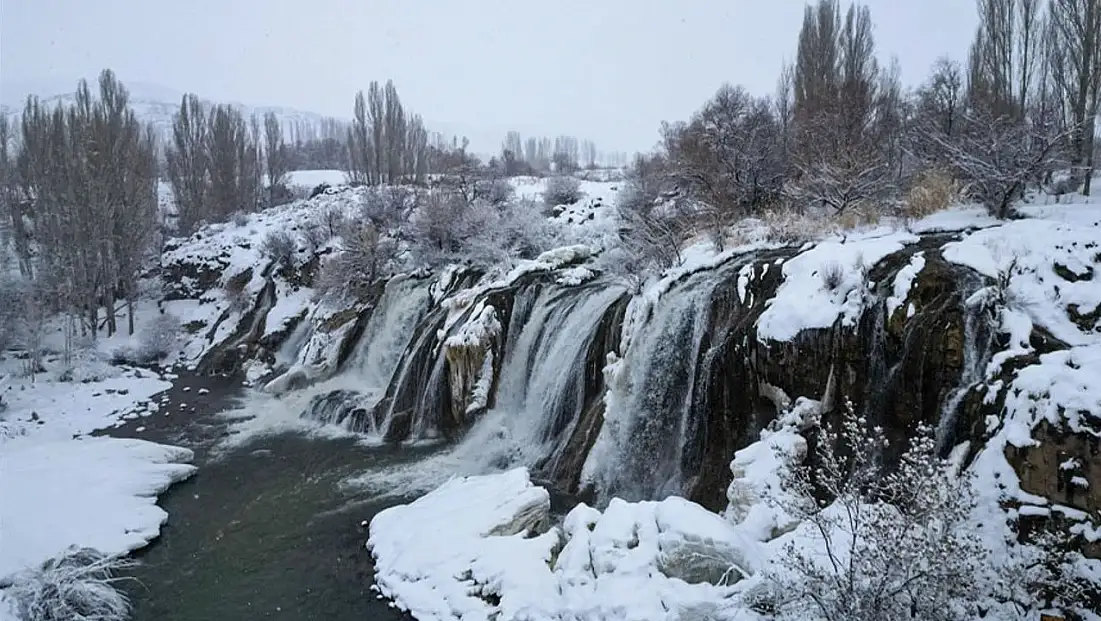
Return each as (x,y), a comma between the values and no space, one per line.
(60,487)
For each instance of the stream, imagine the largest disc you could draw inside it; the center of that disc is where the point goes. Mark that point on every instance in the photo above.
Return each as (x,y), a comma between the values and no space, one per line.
(262,531)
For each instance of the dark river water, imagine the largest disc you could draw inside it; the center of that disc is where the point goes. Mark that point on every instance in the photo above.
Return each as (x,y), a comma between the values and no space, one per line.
(263,530)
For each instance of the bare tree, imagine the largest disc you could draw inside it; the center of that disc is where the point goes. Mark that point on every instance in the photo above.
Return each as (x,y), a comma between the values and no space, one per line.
(999,157)
(940,100)
(12,202)
(729,155)
(1075,38)
(838,159)
(275,157)
(376,122)
(187,163)
(233,158)
(90,174)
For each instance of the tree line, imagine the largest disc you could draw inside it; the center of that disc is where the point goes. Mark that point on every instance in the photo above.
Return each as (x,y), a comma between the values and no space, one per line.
(79,199)
(563,154)
(841,136)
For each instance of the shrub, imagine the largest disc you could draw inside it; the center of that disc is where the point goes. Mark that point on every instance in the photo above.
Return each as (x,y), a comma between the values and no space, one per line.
(791,227)
(159,339)
(897,543)
(364,256)
(319,189)
(76,585)
(498,191)
(315,235)
(236,289)
(280,246)
(933,191)
(331,219)
(239,218)
(562,190)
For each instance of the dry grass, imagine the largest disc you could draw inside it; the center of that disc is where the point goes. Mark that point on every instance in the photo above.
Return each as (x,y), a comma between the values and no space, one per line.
(858,216)
(76,585)
(933,191)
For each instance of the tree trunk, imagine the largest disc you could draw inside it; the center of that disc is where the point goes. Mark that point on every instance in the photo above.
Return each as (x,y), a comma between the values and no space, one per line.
(1089,146)
(112,325)
(130,315)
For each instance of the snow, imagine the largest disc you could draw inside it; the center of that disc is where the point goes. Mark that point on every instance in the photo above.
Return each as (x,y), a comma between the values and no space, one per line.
(756,473)
(59,487)
(94,492)
(479,330)
(495,557)
(49,409)
(313,178)
(903,281)
(563,258)
(805,300)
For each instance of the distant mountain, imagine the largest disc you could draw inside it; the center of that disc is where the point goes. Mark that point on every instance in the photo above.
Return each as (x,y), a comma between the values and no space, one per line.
(153,103)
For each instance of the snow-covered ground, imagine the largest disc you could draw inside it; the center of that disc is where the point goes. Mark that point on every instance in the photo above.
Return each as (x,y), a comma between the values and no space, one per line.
(60,487)
(310,179)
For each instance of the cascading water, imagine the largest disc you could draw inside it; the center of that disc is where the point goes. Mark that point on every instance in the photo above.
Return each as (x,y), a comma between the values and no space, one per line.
(978,340)
(640,450)
(347,398)
(540,392)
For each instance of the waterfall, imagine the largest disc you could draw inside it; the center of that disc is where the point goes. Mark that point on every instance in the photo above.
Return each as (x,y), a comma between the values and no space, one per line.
(540,393)
(650,402)
(978,340)
(541,390)
(348,398)
(402,306)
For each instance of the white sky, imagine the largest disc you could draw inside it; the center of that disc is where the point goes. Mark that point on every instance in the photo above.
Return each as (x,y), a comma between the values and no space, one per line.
(610,70)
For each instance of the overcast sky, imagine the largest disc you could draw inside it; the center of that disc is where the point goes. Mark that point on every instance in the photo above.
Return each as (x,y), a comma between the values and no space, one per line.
(610,70)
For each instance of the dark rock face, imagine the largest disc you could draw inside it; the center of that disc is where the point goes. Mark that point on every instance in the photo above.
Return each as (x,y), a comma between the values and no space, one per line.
(896,370)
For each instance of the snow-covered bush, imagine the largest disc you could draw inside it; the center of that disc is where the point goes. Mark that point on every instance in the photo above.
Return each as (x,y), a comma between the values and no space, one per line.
(446,228)
(239,218)
(236,291)
(792,227)
(389,207)
(331,220)
(156,341)
(279,246)
(499,191)
(364,255)
(76,585)
(562,190)
(878,544)
(160,337)
(524,232)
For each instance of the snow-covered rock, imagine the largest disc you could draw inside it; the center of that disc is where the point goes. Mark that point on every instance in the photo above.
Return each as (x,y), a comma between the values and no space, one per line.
(481,548)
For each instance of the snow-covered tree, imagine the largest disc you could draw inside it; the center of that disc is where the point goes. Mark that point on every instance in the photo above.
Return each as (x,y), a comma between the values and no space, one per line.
(999,156)
(881,544)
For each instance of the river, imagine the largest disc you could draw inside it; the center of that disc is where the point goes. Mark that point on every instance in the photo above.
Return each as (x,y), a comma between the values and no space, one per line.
(263,530)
